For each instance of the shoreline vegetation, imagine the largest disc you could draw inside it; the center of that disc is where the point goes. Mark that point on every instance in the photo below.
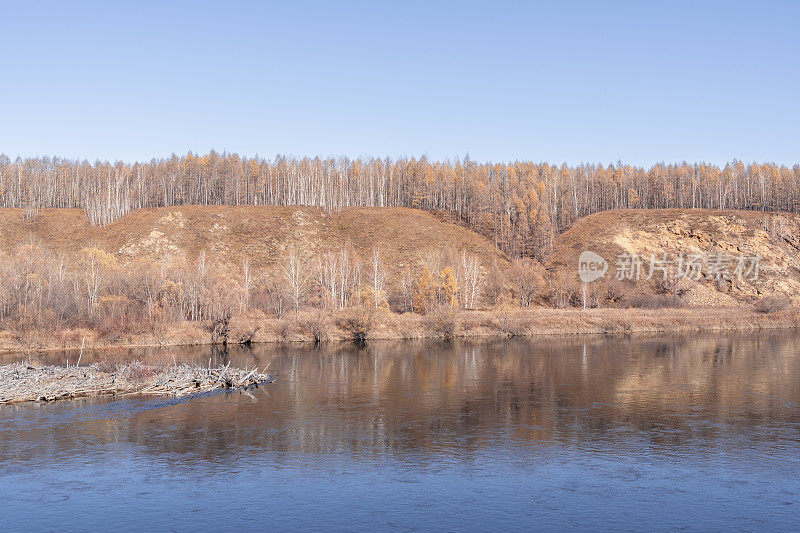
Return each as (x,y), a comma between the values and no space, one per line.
(441,324)
(112,374)
(29,382)
(284,275)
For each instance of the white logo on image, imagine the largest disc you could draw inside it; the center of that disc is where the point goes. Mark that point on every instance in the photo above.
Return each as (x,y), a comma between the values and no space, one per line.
(591,266)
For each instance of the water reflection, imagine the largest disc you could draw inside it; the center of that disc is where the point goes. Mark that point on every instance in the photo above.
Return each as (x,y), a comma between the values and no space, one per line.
(421,401)
(695,432)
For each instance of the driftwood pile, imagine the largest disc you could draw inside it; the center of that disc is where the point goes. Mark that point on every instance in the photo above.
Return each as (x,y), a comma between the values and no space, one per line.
(26,382)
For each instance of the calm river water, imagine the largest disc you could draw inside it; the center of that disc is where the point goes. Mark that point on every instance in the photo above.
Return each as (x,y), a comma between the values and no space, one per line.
(696,433)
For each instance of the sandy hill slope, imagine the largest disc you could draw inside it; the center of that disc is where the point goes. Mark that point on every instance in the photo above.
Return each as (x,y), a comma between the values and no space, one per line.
(710,234)
(259,233)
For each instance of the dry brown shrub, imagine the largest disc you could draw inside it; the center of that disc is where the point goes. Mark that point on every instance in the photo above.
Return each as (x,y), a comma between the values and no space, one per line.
(406,325)
(243,327)
(771,304)
(357,322)
(283,330)
(527,278)
(317,326)
(442,322)
(515,325)
(614,291)
(469,321)
(654,301)
(612,327)
(70,338)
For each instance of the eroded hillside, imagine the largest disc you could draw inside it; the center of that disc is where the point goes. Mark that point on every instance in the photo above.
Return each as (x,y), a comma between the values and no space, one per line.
(709,236)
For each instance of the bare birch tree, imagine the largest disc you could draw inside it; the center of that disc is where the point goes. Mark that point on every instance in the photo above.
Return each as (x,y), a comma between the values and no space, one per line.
(471,277)
(246,283)
(297,274)
(377,277)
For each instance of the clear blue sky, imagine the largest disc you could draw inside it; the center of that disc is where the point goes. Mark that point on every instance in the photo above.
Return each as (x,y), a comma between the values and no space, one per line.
(596,81)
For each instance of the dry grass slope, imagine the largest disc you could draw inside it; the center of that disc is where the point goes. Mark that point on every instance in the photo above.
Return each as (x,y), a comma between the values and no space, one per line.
(229,234)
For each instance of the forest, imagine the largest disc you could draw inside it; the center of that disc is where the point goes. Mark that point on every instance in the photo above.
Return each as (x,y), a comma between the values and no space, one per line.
(521,206)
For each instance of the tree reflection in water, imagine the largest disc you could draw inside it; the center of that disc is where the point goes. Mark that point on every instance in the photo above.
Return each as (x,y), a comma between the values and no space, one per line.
(419,400)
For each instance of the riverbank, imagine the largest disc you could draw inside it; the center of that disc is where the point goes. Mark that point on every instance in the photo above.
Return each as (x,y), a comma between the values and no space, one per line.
(337,327)
(29,381)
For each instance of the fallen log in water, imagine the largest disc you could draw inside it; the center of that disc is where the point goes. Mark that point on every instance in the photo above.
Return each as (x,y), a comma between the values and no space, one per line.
(27,382)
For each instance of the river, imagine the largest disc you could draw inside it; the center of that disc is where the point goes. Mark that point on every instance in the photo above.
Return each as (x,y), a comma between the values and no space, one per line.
(697,432)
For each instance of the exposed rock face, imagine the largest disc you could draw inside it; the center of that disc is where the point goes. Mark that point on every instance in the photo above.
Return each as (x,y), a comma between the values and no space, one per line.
(155,243)
(731,245)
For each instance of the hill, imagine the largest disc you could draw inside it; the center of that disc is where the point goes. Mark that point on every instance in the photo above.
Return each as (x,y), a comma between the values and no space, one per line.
(717,239)
(62,292)
(261,234)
